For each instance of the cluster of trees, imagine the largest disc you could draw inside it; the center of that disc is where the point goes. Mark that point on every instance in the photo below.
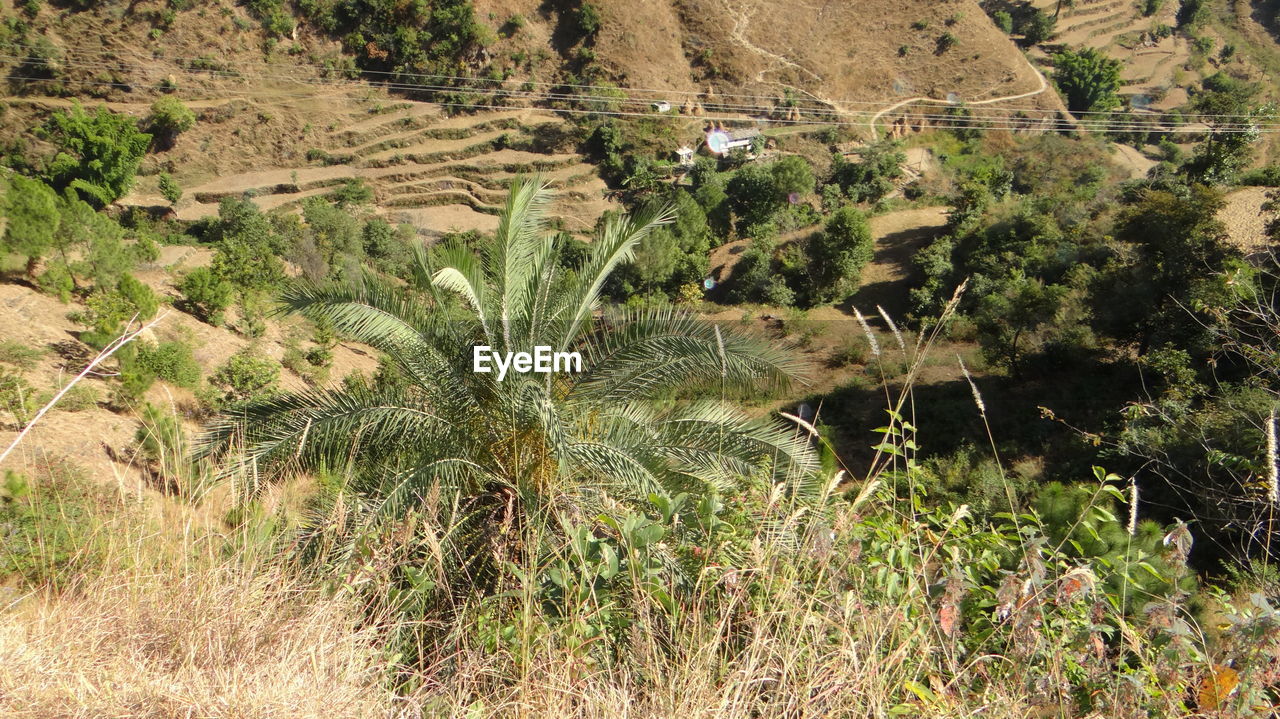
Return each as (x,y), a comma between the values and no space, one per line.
(409,39)
(1083,286)
(820,268)
(332,240)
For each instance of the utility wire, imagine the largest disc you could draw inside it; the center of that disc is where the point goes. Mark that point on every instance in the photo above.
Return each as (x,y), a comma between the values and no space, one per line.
(817,104)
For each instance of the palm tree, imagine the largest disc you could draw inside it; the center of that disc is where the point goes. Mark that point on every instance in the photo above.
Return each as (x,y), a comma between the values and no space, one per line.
(531,446)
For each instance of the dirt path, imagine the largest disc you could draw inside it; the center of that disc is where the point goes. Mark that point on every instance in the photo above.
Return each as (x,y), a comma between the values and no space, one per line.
(1044,85)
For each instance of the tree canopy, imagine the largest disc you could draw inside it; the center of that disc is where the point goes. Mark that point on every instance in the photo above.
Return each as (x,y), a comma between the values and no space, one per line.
(98,154)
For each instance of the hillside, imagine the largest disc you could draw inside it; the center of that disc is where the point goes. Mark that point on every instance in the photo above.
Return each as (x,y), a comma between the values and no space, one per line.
(283,125)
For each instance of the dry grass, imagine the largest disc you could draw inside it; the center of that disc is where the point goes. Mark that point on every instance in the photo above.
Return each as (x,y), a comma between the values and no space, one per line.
(169,620)
(218,642)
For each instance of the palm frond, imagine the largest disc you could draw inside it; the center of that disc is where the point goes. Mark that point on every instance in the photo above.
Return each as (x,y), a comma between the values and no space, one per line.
(462,273)
(517,246)
(617,244)
(641,353)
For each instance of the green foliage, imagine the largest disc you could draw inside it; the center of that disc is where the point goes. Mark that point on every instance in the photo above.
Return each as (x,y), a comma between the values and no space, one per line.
(16,396)
(106,311)
(173,362)
(247,376)
(1192,13)
(353,192)
(757,193)
(206,295)
(168,119)
(792,174)
(1038,27)
(404,38)
(666,260)
(248,247)
(837,255)
(169,188)
(1003,20)
(570,442)
(871,177)
(275,19)
(1227,102)
(1172,245)
(52,526)
(98,154)
(389,249)
(1011,319)
(31,219)
(1088,79)
(17,354)
(163,443)
(587,17)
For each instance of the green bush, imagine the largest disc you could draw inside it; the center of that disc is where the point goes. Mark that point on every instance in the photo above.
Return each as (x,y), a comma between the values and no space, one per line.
(1088,79)
(837,255)
(30,209)
(52,527)
(19,355)
(206,295)
(168,119)
(872,176)
(98,155)
(588,19)
(169,188)
(16,396)
(173,362)
(1003,20)
(106,311)
(1192,13)
(77,399)
(246,376)
(1038,27)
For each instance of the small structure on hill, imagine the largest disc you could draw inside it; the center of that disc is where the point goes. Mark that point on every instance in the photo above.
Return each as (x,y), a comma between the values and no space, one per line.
(662,106)
(722,142)
(684,154)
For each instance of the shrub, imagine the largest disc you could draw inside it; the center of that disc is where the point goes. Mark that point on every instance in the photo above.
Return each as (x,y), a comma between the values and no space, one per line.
(98,154)
(30,209)
(1088,78)
(246,376)
(1038,27)
(173,362)
(838,254)
(16,396)
(77,399)
(106,312)
(52,527)
(946,41)
(19,355)
(1192,13)
(169,188)
(588,19)
(354,191)
(1003,20)
(206,295)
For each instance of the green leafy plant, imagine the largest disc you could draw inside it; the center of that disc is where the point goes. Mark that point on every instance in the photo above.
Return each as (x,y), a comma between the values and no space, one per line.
(206,295)
(567,442)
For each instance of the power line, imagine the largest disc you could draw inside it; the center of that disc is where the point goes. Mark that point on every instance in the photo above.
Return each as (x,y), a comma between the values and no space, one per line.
(1011,123)
(1007,122)
(820,106)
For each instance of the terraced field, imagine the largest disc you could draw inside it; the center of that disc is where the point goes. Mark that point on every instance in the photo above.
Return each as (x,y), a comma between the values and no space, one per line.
(438,172)
(1153,69)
